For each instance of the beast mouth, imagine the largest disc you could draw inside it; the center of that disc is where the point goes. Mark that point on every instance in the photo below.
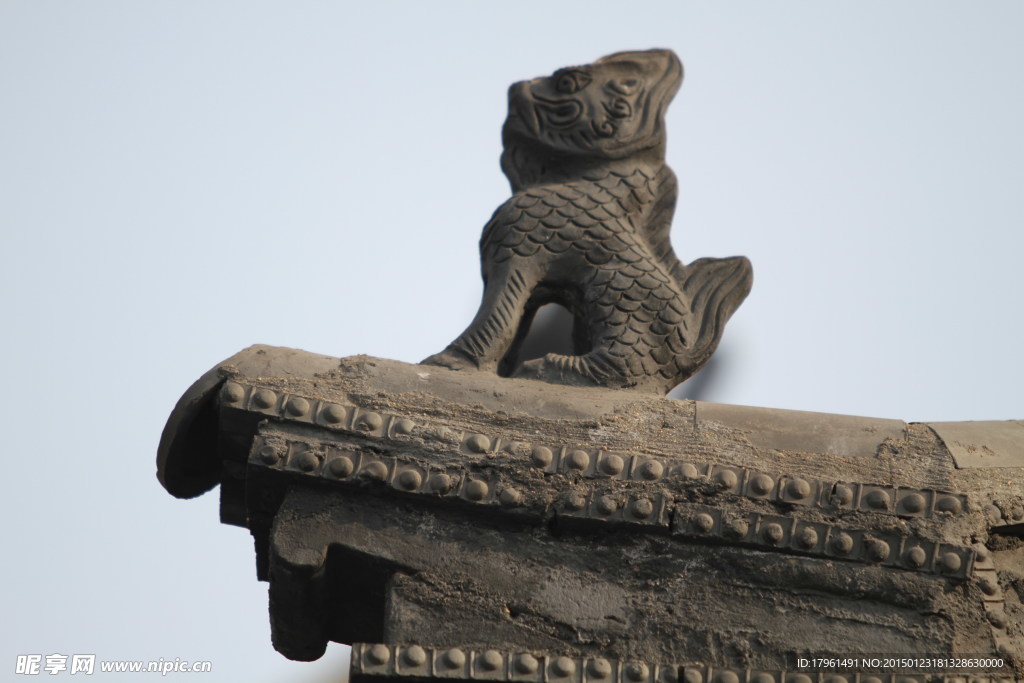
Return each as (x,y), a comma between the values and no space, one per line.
(523,119)
(521,116)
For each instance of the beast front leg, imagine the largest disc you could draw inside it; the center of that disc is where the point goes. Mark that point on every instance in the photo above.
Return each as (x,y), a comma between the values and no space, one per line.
(488,338)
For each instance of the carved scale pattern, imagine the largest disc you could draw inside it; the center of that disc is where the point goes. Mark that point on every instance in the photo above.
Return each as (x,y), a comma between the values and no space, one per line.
(634,304)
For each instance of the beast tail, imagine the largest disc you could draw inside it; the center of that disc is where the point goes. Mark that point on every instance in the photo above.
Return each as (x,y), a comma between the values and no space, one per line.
(715,288)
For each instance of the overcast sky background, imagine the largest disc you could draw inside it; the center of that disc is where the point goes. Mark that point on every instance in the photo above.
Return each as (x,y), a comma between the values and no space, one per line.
(179,180)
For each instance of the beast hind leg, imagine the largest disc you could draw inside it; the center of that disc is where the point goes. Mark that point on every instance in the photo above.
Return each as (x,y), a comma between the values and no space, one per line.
(488,338)
(618,309)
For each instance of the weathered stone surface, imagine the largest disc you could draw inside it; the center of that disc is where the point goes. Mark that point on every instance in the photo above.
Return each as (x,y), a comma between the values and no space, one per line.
(793,430)
(592,524)
(455,524)
(983,444)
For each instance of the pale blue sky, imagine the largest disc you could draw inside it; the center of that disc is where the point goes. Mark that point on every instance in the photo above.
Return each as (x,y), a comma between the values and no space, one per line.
(179,180)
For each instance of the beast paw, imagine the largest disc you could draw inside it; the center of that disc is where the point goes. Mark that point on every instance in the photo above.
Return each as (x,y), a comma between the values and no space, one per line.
(555,368)
(531,369)
(452,359)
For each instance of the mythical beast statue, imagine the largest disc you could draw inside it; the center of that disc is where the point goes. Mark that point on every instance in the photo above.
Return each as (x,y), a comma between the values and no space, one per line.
(457,526)
(587,227)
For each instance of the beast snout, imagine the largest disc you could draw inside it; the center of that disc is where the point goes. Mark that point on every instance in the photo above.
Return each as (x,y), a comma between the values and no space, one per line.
(660,67)
(521,114)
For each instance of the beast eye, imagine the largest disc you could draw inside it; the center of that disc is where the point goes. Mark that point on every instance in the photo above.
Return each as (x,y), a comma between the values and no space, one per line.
(570,81)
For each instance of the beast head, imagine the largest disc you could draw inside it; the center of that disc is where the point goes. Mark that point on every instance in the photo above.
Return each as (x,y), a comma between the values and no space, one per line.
(612,108)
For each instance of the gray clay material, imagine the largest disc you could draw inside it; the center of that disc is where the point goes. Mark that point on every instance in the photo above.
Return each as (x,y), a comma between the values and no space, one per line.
(983,444)
(460,520)
(587,227)
(444,519)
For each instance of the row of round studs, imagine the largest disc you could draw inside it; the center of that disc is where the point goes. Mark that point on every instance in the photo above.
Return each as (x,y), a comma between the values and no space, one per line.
(756,485)
(995,604)
(594,503)
(419,661)
(340,416)
(1008,512)
(823,540)
(905,502)
(349,465)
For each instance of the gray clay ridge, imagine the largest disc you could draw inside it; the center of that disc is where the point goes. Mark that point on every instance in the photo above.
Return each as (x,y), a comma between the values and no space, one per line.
(534,527)
(587,227)
(983,444)
(463,521)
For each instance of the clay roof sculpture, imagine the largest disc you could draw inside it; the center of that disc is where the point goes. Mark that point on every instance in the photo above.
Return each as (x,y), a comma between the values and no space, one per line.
(558,521)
